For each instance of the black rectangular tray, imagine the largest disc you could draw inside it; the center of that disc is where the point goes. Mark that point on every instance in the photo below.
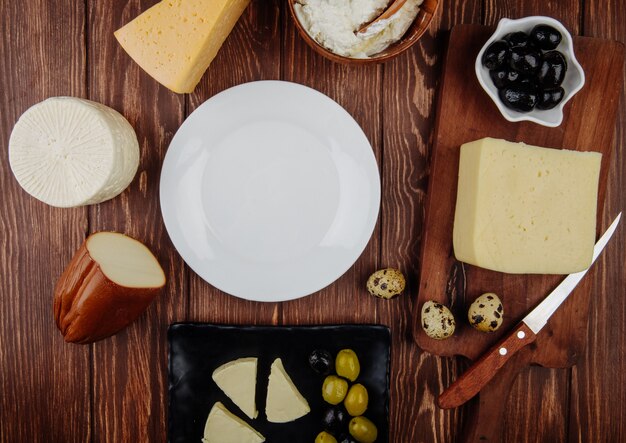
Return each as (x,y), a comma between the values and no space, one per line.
(197,349)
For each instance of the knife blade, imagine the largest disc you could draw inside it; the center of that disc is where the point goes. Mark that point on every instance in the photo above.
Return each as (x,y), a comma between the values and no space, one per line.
(485,368)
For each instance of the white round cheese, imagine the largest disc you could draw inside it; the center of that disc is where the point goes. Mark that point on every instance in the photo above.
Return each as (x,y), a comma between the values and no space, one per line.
(69,152)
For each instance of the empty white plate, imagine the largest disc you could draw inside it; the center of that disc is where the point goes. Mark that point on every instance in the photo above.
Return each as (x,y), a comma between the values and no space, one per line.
(270,191)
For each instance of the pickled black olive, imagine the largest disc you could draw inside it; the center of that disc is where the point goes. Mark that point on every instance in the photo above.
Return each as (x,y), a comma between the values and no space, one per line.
(335,420)
(496,54)
(520,97)
(504,77)
(552,70)
(525,60)
(321,361)
(545,37)
(347,439)
(549,98)
(518,40)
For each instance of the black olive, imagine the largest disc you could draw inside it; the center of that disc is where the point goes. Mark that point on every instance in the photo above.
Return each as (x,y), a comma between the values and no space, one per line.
(321,361)
(504,77)
(521,97)
(335,420)
(496,54)
(552,70)
(518,40)
(346,439)
(549,98)
(545,37)
(525,60)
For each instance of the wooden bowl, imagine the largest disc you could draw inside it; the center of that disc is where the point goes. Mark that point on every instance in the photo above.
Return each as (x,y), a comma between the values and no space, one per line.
(413,34)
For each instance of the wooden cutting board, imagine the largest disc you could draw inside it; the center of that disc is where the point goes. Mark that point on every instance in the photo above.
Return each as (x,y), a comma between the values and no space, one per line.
(466,113)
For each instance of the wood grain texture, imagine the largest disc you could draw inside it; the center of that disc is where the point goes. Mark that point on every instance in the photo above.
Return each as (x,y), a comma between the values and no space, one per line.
(597,397)
(250,53)
(410,86)
(129,391)
(42,380)
(116,389)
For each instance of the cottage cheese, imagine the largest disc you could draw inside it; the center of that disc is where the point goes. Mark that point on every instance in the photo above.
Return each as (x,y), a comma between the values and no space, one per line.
(333,24)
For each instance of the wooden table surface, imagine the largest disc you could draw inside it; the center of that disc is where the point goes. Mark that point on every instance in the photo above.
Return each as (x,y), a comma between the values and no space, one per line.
(116,390)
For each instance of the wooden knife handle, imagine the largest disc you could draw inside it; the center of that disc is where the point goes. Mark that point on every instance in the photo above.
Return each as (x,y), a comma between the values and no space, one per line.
(480,373)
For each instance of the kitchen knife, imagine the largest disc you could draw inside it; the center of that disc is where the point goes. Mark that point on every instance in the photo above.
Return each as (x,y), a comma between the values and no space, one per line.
(481,372)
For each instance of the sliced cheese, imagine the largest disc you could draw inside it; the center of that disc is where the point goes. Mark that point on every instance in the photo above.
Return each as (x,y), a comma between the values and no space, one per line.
(175,41)
(238,380)
(526,209)
(284,402)
(224,427)
(69,152)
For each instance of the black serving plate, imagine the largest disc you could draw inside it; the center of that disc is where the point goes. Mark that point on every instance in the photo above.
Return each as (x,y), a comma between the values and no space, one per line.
(197,349)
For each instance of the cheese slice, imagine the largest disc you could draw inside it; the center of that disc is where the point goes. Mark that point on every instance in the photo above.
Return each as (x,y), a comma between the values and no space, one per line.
(175,41)
(284,402)
(526,209)
(238,380)
(69,152)
(224,427)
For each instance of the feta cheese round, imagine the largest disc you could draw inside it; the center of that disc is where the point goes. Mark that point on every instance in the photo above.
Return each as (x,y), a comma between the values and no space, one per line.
(70,152)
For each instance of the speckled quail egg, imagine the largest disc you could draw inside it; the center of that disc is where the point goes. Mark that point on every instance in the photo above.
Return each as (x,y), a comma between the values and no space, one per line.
(486,313)
(437,320)
(386,283)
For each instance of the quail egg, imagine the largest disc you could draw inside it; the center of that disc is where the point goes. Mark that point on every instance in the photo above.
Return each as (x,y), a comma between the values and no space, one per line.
(437,320)
(386,283)
(486,313)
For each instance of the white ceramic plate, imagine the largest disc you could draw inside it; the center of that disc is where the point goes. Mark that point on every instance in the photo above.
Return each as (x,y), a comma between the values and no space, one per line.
(572,83)
(270,191)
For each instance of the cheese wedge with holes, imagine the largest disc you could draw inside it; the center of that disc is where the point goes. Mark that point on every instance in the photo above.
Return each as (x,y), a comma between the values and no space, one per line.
(284,402)
(175,41)
(224,427)
(69,152)
(524,209)
(238,381)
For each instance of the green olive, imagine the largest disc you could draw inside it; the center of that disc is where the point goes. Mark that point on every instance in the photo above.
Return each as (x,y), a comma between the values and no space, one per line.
(363,430)
(325,437)
(334,389)
(356,400)
(347,364)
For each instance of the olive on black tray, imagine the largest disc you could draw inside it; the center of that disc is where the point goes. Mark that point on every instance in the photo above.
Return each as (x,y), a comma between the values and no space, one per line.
(549,98)
(525,60)
(496,54)
(518,39)
(321,361)
(520,97)
(552,70)
(335,420)
(545,37)
(504,77)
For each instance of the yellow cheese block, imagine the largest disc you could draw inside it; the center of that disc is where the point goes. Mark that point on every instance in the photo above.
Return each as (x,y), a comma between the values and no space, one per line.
(523,209)
(175,41)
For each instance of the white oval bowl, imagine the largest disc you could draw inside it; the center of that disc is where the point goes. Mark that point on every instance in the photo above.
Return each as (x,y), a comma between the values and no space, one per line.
(574,77)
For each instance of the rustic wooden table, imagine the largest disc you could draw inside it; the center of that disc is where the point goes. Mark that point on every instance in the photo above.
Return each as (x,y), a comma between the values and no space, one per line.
(116,390)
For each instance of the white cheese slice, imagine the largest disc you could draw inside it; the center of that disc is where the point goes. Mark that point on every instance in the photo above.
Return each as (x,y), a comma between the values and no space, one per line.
(224,427)
(69,152)
(238,380)
(525,209)
(284,402)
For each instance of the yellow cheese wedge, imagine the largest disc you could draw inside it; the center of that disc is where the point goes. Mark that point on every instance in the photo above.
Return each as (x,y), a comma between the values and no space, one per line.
(524,209)
(175,41)
(237,379)
(284,403)
(222,426)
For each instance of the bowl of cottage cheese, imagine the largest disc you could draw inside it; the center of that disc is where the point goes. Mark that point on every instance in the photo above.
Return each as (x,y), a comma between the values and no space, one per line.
(333,28)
